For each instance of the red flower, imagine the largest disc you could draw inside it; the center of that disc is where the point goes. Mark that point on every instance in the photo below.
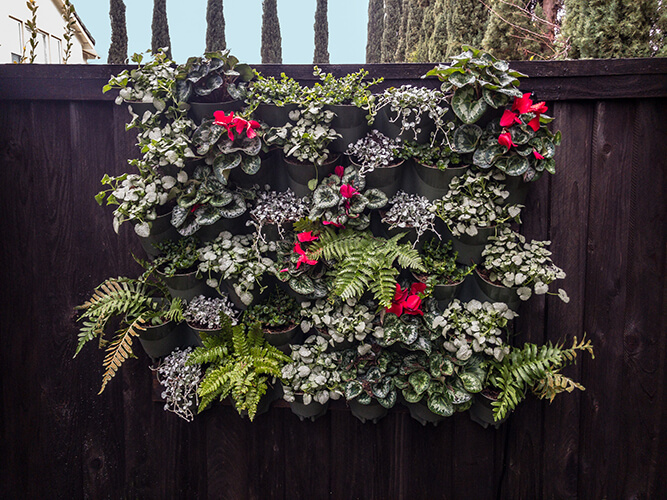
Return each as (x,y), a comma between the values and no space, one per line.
(538,155)
(506,140)
(328,222)
(509,118)
(522,104)
(535,123)
(306,236)
(339,171)
(231,122)
(538,108)
(407,303)
(347,191)
(222,119)
(251,125)
(303,256)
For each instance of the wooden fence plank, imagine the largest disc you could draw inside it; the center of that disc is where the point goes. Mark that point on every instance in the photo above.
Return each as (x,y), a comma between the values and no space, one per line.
(644,340)
(568,213)
(605,299)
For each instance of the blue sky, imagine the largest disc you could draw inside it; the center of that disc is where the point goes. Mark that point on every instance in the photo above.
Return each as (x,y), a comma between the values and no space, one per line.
(243,19)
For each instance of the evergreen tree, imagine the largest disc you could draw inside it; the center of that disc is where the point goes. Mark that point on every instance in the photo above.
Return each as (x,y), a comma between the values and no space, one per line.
(215,26)
(437,49)
(392,27)
(428,24)
(415,10)
(466,25)
(511,32)
(321,29)
(118,47)
(272,51)
(160,27)
(375,29)
(400,45)
(611,28)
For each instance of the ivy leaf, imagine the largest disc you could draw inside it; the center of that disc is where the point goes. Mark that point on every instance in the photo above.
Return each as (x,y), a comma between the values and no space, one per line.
(466,107)
(440,405)
(419,381)
(466,138)
(353,389)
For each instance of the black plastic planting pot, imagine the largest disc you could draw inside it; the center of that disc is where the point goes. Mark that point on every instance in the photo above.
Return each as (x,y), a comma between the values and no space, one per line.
(372,412)
(491,292)
(389,123)
(274,116)
(161,230)
(159,341)
(420,412)
(311,411)
(186,286)
(388,179)
(432,182)
(350,122)
(299,174)
(201,111)
(470,248)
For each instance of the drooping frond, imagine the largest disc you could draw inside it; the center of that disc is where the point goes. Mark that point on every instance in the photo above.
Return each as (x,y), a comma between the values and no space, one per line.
(535,368)
(119,350)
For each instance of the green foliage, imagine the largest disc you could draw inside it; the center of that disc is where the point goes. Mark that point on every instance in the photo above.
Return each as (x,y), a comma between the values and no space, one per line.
(604,29)
(31,24)
(270,90)
(512,32)
(69,16)
(411,332)
(175,257)
(370,375)
(160,28)
(321,28)
(444,382)
(375,29)
(134,302)
(215,26)
(241,363)
(365,262)
(440,263)
(352,88)
(277,311)
(271,50)
(390,30)
(438,155)
(535,368)
(118,47)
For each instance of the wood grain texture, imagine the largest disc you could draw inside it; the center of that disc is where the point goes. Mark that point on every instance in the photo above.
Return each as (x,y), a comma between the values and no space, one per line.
(604,211)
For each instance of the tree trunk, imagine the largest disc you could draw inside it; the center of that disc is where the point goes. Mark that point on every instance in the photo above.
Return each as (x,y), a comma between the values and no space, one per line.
(215,26)
(118,48)
(272,51)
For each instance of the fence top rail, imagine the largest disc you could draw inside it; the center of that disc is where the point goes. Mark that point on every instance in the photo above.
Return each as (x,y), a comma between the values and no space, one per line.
(550,80)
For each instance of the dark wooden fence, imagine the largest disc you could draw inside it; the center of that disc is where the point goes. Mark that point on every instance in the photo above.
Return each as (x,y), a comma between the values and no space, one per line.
(604,211)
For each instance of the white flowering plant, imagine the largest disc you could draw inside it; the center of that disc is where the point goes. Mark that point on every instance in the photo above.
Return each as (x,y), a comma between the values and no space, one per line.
(313,373)
(139,197)
(204,312)
(180,380)
(476,327)
(306,140)
(374,150)
(409,104)
(235,260)
(342,320)
(476,200)
(411,211)
(513,262)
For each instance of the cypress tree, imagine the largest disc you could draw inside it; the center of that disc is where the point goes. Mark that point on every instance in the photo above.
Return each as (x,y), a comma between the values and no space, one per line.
(400,46)
(428,24)
(437,47)
(160,28)
(272,51)
(611,28)
(321,29)
(375,29)
(392,27)
(415,10)
(118,47)
(465,25)
(215,26)
(511,32)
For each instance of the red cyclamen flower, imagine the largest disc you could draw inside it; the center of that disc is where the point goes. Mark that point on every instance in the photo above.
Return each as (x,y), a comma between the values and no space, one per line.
(303,256)
(538,155)
(306,236)
(509,118)
(347,191)
(506,140)
(522,104)
(339,171)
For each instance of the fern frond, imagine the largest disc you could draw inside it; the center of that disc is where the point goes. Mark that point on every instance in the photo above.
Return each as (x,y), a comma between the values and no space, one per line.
(119,350)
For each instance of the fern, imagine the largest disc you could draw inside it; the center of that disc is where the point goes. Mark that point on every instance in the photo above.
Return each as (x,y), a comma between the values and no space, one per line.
(119,350)
(535,368)
(133,301)
(241,361)
(365,262)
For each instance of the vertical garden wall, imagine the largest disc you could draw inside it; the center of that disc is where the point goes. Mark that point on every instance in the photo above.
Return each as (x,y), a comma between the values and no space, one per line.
(603,211)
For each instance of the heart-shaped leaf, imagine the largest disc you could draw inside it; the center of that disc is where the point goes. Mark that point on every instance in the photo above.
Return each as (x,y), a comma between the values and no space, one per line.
(440,405)
(466,138)
(251,164)
(466,106)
